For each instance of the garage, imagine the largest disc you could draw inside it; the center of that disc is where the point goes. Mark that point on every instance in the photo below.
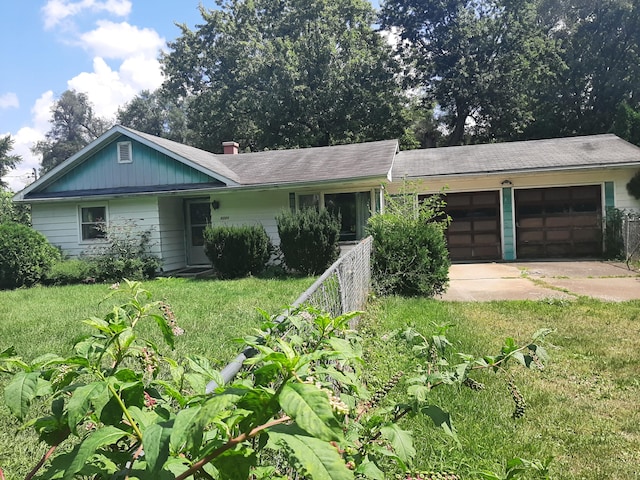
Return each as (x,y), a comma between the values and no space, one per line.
(474,233)
(559,222)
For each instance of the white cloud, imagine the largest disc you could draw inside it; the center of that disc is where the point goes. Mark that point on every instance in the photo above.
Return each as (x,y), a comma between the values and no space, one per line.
(121,40)
(55,11)
(25,138)
(107,89)
(9,100)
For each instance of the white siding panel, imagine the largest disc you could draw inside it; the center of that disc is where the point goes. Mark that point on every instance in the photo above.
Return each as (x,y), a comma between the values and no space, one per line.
(59,223)
(171,227)
(251,208)
(620,177)
(139,213)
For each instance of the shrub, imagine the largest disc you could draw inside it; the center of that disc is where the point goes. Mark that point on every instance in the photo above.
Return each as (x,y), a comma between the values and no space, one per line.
(71,271)
(633,187)
(309,239)
(13,212)
(613,240)
(410,254)
(237,251)
(125,253)
(25,256)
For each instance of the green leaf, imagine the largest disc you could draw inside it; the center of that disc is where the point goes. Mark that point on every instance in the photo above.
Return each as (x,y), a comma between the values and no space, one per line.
(82,399)
(370,470)
(310,408)
(183,436)
(319,459)
(400,440)
(155,441)
(235,464)
(99,438)
(167,332)
(20,392)
(442,419)
(98,323)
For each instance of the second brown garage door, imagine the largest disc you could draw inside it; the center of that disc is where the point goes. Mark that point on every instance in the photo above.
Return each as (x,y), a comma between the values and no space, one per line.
(559,222)
(474,233)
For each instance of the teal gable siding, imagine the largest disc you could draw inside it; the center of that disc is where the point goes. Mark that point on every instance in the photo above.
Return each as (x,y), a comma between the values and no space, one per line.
(509,245)
(149,168)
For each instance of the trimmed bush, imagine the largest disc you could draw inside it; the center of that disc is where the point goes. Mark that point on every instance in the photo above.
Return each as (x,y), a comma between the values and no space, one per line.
(410,255)
(237,251)
(309,239)
(25,256)
(71,272)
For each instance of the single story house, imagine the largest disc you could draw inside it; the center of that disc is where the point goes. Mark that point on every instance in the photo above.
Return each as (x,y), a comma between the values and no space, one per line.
(543,198)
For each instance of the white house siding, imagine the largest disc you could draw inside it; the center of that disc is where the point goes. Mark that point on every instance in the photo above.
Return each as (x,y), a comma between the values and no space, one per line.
(171,228)
(60,221)
(251,208)
(620,177)
(139,213)
(60,224)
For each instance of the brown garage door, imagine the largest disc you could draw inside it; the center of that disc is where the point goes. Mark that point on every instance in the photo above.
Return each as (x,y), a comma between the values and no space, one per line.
(559,222)
(474,233)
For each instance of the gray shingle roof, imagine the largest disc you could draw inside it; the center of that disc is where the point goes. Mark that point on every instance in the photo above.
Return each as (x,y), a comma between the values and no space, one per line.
(317,164)
(534,155)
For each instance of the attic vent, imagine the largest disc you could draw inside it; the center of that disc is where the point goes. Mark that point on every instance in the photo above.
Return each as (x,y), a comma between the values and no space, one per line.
(124,152)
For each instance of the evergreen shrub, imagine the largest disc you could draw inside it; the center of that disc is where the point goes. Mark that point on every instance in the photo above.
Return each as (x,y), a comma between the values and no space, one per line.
(25,256)
(410,255)
(309,239)
(237,251)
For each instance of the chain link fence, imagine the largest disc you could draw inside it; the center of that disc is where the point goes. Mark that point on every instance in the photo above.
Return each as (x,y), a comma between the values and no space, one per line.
(342,288)
(631,236)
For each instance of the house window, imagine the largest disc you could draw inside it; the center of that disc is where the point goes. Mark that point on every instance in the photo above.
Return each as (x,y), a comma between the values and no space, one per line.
(309,201)
(93,222)
(124,152)
(354,209)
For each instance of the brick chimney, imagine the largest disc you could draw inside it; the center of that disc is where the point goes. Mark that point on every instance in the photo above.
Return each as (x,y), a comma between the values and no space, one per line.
(230,148)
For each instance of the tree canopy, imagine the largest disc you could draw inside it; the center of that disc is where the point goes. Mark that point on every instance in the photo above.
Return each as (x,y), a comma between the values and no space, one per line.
(73,126)
(285,74)
(7,160)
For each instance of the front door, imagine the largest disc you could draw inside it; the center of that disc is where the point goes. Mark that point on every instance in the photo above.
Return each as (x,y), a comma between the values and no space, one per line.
(198,217)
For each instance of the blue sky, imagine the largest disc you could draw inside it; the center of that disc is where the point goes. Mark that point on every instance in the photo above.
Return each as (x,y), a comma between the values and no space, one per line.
(106,48)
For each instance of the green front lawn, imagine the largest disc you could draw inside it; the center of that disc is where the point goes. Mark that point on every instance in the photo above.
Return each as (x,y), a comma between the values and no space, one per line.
(582,409)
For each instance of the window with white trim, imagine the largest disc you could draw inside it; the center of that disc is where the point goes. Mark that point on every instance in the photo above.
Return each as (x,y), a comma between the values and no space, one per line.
(124,152)
(93,222)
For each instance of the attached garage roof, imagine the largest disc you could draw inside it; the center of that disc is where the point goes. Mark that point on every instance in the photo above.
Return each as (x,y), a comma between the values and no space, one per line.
(592,151)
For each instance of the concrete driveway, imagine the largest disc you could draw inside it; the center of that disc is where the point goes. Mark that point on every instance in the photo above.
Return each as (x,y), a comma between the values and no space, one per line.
(609,281)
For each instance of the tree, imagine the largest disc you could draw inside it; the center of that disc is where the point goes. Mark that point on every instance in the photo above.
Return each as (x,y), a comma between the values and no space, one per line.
(153,113)
(481,61)
(601,48)
(74,126)
(286,74)
(7,161)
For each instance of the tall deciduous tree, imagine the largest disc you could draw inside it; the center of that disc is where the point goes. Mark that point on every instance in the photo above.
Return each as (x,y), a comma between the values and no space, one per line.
(482,62)
(73,126)
(601,43)
(286,73)
(7,160)
(153,113)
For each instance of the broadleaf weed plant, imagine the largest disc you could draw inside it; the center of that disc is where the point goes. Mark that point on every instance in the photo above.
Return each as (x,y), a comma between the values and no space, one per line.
(121,407)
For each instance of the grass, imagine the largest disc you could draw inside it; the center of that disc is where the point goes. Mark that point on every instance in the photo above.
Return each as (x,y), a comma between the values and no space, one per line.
(49,319)
(582,409)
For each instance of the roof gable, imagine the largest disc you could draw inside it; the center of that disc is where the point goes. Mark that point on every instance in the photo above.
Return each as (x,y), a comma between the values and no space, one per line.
(149,170)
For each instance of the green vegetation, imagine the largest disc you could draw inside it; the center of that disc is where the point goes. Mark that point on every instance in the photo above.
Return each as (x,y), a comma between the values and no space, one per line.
(309,239)
(410,255)
(25,256)
(580,411)
(237,251)
(49,319)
